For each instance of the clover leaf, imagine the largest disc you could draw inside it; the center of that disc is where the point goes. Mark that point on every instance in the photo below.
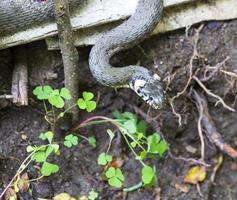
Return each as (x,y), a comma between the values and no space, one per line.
(156,145)
(148,175)
(42,92)
(115,177)
(86,102)
(104,158)
(48,168)
(93,195)
(70,140)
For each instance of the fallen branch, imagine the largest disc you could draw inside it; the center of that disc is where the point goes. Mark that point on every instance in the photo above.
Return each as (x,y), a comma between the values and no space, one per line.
(208,124)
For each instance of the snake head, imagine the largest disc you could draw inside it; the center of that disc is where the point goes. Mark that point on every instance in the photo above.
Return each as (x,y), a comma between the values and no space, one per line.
(150,89)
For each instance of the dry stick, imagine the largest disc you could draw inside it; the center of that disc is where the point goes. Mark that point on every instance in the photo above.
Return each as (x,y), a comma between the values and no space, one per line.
(6,96)
(20,76)
(211,131)
(69,52)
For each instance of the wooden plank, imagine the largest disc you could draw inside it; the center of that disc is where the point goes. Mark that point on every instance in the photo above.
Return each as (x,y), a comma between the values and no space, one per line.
(174,18)
(94,13)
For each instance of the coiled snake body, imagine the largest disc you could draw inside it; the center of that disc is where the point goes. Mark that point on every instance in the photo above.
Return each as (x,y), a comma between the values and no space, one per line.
(20,14)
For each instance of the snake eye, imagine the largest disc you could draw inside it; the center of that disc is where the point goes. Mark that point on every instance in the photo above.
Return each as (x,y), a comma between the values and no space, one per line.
(139,91)
(151,98)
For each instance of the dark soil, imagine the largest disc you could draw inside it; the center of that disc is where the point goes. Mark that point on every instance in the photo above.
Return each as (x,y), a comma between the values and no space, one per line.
(165,54)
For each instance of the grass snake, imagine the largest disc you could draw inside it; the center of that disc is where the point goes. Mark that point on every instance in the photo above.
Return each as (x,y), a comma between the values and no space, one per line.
(18,15)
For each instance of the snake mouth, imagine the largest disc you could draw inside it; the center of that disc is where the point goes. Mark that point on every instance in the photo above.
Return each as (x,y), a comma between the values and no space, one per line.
(150,89)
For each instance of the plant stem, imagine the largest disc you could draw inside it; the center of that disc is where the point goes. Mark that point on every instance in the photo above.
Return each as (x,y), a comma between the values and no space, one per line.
(134,187)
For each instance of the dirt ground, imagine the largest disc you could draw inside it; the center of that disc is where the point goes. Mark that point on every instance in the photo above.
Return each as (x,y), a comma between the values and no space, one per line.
(169,55)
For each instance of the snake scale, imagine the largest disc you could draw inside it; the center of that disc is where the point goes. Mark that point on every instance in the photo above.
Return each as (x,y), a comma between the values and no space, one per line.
(16,15)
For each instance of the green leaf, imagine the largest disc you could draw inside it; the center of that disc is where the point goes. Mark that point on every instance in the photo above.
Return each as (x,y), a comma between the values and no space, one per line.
(148,175)
(119,174)
(65,93)
(61,115)
(92,141)
(70,140)
(55,93)
(88,96)
(130,115)
(48,151)
(140,136)
(55,147)
(133,144)
(152,141)
(42,92)
(117,115)
(81,103)
(142,127)
(111,172)
(67,144)
(142,155)
(30,148)
(42,136)
(47,169)
(49,136)
(162,147)
(130,126)
(93,195)
(39,156)
(104,158)
(56,101)
(90,106)
(38,91)
(115,182)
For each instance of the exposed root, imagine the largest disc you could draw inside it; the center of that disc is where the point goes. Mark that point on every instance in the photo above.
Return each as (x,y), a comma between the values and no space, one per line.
(220,100)
(213,70)
(193,57)
(209,72)
(211,131)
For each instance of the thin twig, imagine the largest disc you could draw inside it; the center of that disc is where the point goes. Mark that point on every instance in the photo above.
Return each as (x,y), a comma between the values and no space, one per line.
(6,96)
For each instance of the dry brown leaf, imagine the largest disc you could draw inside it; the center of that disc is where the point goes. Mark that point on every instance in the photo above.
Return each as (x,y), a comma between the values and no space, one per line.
(83,198)
(157,193)
(195,174)
(63,196)
(117,162)
(23,183)
(182,187)
(10,194)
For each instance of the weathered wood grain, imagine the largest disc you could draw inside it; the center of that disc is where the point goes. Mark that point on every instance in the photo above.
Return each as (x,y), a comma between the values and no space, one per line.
(99,16)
